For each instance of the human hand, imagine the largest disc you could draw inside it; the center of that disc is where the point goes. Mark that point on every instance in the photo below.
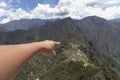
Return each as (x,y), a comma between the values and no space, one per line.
(47,47)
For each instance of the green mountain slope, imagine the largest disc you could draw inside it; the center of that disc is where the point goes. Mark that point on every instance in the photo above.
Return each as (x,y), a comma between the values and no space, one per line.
(78,57)
(105,35)
(69,63)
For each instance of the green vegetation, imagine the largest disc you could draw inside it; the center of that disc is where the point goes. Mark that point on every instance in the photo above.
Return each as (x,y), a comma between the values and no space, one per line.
(81,56)
(71,71)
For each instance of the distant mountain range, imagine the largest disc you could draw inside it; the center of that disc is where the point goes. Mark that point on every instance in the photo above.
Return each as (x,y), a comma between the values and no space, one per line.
(24,24)
(92,41)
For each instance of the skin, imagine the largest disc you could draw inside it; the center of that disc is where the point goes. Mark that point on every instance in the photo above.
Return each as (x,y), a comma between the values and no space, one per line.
(14,57)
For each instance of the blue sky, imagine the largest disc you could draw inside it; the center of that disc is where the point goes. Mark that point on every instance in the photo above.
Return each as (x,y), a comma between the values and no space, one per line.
(31,4)
(49,9)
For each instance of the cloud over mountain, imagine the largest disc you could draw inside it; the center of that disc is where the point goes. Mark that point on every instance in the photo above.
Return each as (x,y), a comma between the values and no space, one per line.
(76,9)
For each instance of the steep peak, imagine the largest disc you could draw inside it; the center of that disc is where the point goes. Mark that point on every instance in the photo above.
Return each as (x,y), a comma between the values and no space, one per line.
(68,19)
(94,18)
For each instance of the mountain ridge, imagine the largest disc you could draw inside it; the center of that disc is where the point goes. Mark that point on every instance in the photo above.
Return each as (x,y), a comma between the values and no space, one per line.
(24,24)
(85,35)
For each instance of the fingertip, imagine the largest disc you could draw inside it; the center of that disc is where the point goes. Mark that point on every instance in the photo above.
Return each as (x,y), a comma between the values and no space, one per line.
(57,43)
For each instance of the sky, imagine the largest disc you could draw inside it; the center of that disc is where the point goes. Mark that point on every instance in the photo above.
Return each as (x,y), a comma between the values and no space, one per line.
(51,9)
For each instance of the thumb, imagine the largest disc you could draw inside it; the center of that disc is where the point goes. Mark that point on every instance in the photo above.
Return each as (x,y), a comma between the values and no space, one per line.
(50,53)
(53,52)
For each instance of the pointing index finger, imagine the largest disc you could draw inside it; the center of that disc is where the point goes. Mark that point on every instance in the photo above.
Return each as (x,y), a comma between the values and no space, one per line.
(57,43)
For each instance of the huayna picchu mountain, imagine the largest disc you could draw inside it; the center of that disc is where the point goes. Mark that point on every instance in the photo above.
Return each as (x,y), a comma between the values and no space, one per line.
(89,50)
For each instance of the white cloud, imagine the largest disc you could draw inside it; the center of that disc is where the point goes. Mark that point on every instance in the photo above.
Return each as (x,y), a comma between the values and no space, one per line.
(3,5)
(14,15)
(110,1)
(76,9)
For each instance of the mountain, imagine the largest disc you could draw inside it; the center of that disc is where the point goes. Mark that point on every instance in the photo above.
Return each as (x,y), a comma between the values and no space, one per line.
(3,30)
(24,24)
(85,52)
(116,20)
(104,34)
